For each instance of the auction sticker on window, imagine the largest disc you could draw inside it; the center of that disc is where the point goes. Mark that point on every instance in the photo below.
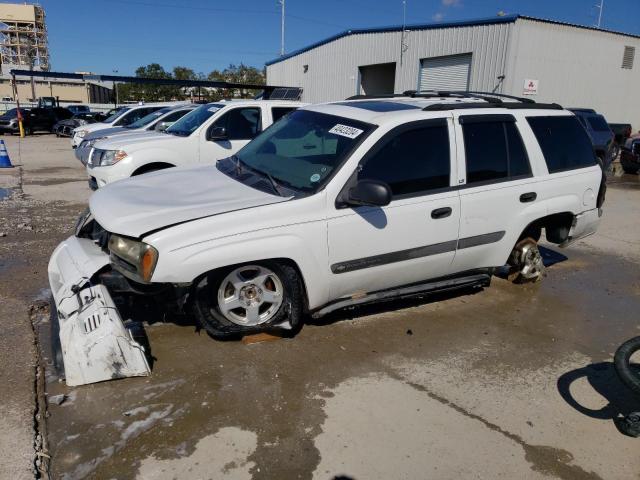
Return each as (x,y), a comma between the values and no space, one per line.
(346,131)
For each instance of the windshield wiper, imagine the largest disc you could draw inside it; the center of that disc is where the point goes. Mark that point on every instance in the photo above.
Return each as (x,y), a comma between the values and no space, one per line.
(240,164)
(274,184)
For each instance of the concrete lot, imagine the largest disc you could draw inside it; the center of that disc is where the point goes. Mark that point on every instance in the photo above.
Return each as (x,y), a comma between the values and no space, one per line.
(510,382)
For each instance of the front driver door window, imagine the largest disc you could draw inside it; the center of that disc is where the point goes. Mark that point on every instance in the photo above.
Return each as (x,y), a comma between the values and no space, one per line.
(241,126)
(414,237)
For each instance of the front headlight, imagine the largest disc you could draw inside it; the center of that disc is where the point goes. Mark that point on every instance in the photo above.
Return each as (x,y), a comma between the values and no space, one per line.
(82,133)
(89,143)
(105,158)
(133,258)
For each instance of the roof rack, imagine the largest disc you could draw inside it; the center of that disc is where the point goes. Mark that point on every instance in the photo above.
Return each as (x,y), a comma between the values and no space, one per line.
(508,105)
(492,100)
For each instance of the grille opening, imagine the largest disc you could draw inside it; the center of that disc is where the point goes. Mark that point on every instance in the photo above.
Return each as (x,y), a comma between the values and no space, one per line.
(91,323)
(628,57)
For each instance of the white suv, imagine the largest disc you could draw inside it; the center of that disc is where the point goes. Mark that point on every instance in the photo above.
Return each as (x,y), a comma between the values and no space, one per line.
(336,205)
(121,117)
(209,133)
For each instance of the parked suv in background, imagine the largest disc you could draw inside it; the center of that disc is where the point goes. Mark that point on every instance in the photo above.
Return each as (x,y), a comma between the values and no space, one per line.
(335,205)
(601,135)
(121,117)
(9,120)
(209,133)
(630,154)
(157,121)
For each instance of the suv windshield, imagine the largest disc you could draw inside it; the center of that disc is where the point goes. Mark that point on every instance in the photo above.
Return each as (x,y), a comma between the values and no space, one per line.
(192,120)
(302,150)
(116,114)
(147,119)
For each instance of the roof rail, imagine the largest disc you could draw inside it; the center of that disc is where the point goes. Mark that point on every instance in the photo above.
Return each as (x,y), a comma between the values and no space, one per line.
(508,105)
(491,100)
(494,94)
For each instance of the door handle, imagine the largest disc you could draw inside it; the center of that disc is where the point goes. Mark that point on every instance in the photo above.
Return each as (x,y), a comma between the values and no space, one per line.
(441,213)
(528,197)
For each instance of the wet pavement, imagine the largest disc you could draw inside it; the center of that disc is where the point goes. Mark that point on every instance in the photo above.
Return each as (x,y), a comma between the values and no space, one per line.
(511,381)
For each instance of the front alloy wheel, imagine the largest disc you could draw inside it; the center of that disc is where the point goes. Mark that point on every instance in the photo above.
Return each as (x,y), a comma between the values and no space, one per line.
(250,295)
(252,298)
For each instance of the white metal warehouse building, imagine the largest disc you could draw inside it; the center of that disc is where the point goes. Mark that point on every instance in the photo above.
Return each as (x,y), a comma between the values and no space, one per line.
(546,60)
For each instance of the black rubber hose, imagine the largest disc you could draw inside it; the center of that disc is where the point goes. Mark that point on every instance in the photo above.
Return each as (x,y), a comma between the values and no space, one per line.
(622,362)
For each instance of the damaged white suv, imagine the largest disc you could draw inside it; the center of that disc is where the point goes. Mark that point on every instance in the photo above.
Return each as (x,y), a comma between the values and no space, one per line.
(335,205)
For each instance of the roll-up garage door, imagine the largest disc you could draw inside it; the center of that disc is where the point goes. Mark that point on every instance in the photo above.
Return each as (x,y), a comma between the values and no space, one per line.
(445,73)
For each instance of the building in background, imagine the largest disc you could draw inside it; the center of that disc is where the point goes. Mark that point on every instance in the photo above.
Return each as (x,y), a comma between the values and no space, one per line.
(23,37)
(544,60)
(66,90)
(24,46)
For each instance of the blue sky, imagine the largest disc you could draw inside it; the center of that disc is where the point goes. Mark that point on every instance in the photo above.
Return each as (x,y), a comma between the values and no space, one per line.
(106,35)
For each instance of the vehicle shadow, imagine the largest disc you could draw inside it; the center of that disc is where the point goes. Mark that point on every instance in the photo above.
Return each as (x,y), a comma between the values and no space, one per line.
(603,379)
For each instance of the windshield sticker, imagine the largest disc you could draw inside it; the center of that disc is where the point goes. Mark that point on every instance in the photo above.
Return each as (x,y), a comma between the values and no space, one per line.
(346,131)
(315,178)
(213,109)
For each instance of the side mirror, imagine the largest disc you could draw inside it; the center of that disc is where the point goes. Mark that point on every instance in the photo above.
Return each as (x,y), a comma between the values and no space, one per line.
(370,193)
(217,133)
(162,126)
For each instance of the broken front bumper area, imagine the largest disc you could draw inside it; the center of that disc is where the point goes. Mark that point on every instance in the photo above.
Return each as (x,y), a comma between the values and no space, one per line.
(95,344)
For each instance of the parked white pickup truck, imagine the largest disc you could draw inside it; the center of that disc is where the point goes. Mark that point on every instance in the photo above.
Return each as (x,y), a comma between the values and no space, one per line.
(335,205)
(209,133)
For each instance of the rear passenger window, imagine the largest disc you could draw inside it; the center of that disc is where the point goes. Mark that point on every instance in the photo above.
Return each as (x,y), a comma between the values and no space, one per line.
(564,143)
(413,161)
(494,150)
(278,112)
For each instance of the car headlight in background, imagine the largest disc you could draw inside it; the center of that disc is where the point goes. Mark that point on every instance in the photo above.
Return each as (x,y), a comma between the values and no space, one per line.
(105,158)
(133,258)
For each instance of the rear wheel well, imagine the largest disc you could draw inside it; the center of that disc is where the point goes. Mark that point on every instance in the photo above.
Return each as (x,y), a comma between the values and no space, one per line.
(556,227)
(151,167)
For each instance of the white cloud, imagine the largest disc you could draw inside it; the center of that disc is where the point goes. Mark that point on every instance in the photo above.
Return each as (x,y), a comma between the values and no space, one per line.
(451,3)
(438,17)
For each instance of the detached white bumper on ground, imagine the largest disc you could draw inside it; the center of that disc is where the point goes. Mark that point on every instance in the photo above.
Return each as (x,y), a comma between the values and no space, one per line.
(96,346)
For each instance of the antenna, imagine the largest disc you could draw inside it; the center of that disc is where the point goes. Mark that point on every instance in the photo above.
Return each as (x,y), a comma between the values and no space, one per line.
(600,7)
(281,2)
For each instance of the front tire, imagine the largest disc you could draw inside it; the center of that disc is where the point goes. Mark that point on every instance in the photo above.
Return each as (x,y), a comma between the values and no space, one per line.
(250,298)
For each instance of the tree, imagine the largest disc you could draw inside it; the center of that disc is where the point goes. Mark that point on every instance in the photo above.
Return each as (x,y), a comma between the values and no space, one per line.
(239,74)
(149,92)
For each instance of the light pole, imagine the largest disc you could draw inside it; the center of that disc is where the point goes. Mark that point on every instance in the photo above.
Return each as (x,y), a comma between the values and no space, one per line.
(600,8)
(115,90)
(281,2)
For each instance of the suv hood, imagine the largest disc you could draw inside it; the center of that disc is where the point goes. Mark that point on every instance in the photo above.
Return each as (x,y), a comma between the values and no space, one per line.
(132,140)
(139,205)
(103,132)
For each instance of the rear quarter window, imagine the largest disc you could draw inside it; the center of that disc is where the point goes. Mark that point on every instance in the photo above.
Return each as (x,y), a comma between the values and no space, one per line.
(564,143)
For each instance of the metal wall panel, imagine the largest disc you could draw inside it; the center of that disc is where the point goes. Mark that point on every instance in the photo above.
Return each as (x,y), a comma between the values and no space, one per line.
(576,67)
(332,72)
(445,73)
